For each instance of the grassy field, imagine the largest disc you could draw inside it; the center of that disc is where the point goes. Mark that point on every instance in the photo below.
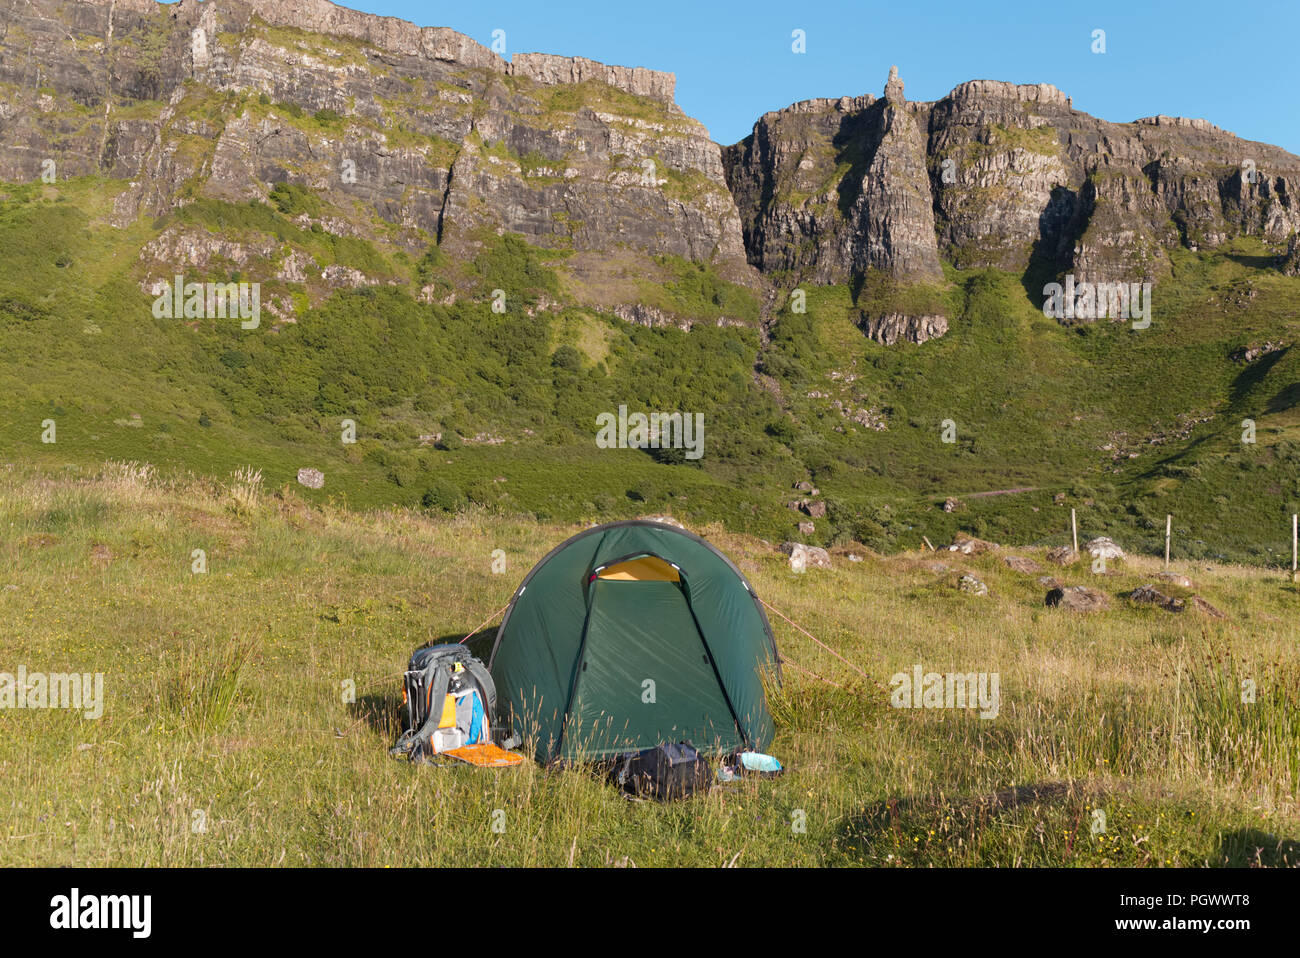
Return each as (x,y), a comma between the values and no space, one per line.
(227,736)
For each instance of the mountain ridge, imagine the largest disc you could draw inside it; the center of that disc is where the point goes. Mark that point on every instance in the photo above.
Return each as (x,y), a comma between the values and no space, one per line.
(994,173)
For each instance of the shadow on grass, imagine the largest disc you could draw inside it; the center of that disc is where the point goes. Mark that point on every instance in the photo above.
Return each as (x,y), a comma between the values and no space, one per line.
(381,711)
(864,830)
(1255,261)
(1251,848)
(1254,374)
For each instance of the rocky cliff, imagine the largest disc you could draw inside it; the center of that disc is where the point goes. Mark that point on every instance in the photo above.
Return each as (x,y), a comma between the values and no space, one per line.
(828,189)
(419,137)
(411,136)
(1013,174)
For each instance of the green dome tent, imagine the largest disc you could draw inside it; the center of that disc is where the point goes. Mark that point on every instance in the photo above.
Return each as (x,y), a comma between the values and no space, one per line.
(632,634)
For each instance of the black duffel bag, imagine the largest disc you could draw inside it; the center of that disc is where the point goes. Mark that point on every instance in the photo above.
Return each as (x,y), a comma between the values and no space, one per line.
(663,773)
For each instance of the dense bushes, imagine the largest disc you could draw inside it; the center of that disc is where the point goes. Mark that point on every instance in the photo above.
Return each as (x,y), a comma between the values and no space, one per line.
(443,496)
(291,199)
(508,263)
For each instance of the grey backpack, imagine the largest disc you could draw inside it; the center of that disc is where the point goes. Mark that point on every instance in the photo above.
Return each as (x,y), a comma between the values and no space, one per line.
(441,681)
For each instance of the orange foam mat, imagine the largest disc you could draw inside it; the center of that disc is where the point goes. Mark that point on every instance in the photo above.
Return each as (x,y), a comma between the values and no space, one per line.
(485,756)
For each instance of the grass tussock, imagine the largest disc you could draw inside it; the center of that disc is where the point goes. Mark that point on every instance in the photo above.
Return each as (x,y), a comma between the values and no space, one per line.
(203,688)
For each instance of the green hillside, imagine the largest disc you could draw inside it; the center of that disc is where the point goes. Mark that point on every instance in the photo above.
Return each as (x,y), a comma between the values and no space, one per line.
(514,395)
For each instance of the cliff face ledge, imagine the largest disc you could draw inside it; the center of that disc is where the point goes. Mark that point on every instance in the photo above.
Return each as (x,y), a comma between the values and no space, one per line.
(393,35)
(419,136)
(1014,174)
(546,68)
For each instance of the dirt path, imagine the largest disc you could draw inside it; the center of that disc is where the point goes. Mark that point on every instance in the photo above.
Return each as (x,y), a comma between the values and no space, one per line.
(997,492)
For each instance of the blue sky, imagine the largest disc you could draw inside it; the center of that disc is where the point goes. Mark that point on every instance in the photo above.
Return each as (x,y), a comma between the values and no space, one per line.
(1235,64)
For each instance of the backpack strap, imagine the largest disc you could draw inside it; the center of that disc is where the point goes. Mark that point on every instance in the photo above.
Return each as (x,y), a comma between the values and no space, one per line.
(504,736)
(414,743)
(488,689)
(411,687)
(486,686)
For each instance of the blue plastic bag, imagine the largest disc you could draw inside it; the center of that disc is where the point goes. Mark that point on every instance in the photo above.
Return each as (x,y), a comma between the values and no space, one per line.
(758,762)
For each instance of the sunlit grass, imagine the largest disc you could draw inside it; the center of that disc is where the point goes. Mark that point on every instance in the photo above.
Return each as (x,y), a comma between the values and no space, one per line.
(228,736)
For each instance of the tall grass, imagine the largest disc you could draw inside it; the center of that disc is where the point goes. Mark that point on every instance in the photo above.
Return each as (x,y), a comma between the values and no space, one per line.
(244,490)
(204,683)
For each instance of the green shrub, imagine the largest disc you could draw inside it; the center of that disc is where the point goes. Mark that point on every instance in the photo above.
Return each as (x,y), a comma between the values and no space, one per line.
(443,496)
(567,358)
(291,199)
(782,430)
(509,263)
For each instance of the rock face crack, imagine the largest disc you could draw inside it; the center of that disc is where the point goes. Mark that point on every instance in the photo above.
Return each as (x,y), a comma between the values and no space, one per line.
(104,160)
(446,199)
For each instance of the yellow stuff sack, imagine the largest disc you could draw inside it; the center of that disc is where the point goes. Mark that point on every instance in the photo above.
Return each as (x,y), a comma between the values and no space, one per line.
(448,719)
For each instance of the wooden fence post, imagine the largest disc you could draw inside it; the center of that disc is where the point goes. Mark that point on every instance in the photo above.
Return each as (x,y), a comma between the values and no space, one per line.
(1294,540)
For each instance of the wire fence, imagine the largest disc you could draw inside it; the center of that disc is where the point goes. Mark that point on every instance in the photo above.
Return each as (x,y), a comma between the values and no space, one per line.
(1183,546)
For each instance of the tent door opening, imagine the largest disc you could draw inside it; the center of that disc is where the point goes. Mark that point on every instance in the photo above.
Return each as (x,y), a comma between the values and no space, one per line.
(646,568)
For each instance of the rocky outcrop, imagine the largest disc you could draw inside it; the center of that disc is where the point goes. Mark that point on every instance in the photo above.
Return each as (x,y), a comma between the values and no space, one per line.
(391,35)
(894,208)
(997,167)
(1104,548)
(1290,261)
(1105,201)
(1062,556)
(804,557)
(1253,351)
(831,188)
(1015,175)
(1151,595)
(1077,598)
(1203,607)
(1021,564)
(893,328)
(969,545)
(546,68)
(1162,120)
(417,136)
(643,315)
